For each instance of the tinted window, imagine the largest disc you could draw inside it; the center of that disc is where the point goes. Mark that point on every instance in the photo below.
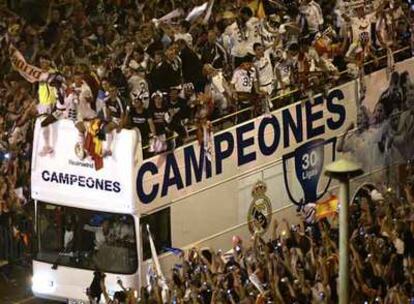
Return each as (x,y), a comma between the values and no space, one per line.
(160,226)
(86,239)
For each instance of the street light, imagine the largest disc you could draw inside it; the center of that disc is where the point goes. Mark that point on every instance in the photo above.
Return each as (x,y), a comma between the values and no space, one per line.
(343,171)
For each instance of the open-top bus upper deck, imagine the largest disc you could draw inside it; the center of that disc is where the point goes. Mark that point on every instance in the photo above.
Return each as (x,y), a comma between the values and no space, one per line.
(187,197)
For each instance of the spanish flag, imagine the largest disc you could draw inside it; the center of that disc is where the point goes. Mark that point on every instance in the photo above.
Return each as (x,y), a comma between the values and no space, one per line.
(93,144)
(327,207)
(258,9)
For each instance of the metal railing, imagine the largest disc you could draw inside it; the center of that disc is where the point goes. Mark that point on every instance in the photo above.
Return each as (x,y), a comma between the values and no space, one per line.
(226,118)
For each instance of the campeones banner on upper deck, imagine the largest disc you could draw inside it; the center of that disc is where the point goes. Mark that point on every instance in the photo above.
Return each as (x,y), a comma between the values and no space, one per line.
(304,137)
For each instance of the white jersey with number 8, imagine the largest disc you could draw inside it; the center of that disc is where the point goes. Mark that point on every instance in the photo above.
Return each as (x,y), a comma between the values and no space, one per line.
(243,80)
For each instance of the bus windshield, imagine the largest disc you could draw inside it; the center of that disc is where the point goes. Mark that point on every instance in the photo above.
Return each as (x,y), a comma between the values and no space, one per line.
(86,239)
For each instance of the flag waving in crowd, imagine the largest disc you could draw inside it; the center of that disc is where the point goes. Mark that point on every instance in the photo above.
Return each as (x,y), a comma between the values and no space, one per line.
(29,72)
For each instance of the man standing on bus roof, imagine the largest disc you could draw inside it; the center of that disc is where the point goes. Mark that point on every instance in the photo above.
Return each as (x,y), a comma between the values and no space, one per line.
(140,118)
(85,107)
(264,70)
(47,100)
(245,86)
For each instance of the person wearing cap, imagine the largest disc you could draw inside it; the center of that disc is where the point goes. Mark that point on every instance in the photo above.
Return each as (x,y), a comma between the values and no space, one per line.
(188,93)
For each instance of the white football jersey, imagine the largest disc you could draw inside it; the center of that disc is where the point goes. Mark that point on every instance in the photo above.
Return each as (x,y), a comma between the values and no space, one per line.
(361,29)
(243,80)
(285,69)
(243,39)
(269,35)
(264,70)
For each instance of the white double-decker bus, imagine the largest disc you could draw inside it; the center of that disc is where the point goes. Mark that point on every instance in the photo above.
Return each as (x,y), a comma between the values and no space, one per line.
(88,219)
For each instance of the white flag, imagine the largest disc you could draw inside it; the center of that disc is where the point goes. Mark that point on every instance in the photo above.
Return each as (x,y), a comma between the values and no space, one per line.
(171,15)
(209,10)
(161,278)
(154,254)
(196,12)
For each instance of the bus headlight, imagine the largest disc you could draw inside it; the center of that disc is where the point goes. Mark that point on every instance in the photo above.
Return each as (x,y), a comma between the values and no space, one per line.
(42,284)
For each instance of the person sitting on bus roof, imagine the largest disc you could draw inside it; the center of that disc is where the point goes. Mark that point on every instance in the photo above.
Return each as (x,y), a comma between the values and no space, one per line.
(114,117)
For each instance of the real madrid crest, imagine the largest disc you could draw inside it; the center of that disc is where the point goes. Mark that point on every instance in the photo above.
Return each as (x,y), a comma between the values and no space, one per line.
(259,216)
(79,151)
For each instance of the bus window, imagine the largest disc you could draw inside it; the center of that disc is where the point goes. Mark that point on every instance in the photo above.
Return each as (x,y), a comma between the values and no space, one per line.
(86,239)
(160,226)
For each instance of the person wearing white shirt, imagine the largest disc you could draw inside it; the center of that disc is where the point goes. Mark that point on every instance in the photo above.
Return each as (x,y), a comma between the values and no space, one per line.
(242,34)
(289,31)
(244,78)
(183,33)
(361,42)
(83,99)
(264,71)
(313,14)
(283,70)
(138,85)
(84,103)
(270,31)
(217,87)
(245,85)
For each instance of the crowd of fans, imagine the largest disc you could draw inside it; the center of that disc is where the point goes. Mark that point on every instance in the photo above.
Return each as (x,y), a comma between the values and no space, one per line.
(298,263)
(171,67)
(168,67)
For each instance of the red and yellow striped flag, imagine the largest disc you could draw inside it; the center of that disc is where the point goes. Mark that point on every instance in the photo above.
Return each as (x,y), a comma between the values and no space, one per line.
(327,207)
